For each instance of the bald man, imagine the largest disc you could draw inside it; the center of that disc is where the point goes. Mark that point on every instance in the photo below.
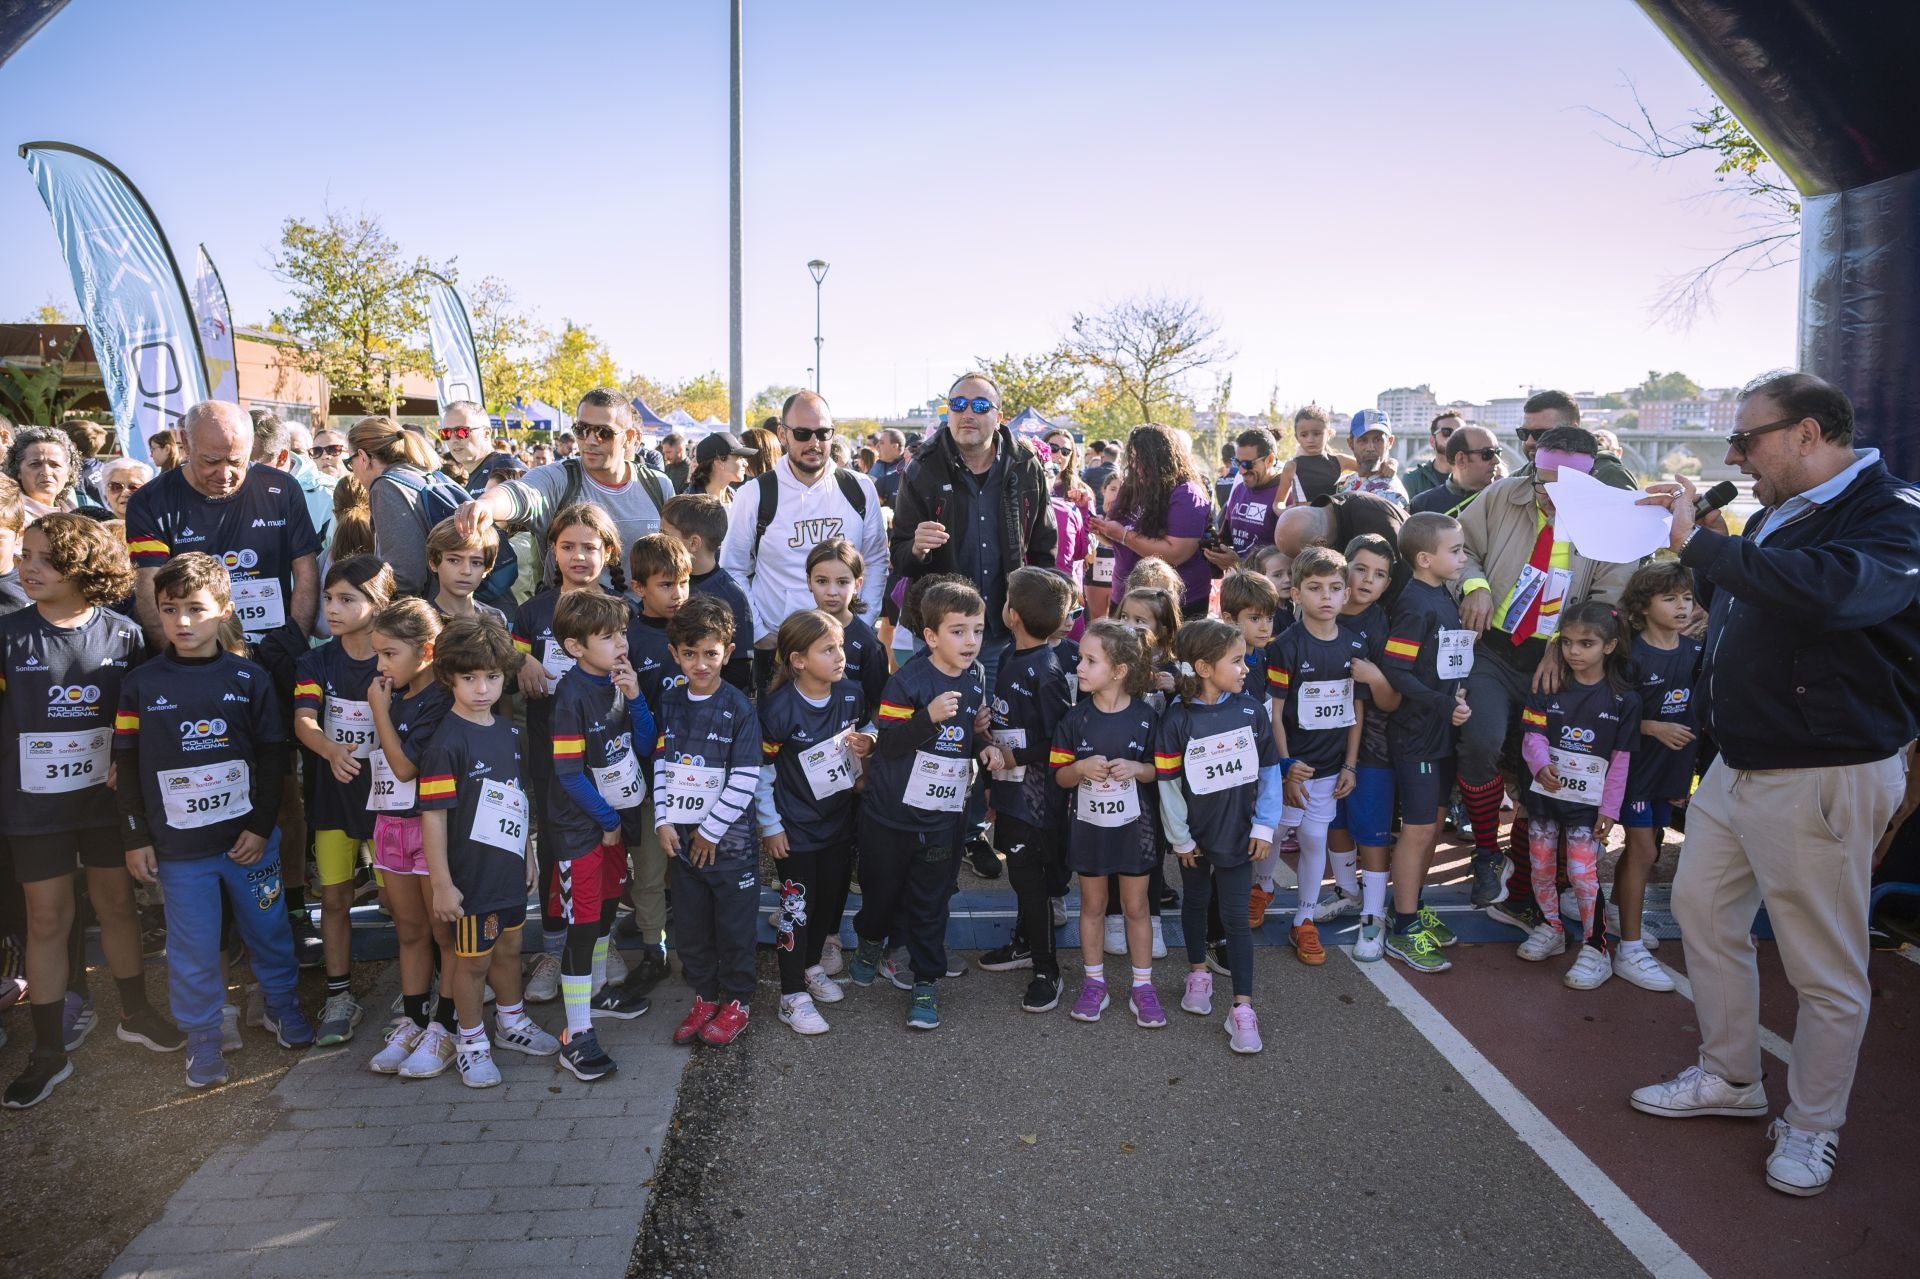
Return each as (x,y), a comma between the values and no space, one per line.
(1336,520)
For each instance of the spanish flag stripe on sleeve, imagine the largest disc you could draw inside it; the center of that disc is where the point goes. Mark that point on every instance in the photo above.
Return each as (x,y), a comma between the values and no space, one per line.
(569,747)
(1533,719)
(436,787)
(1059,758)
(1278,677)
(1166,764)
(523,645)
(307,691)
(147,547)
(894,711)
(125,723)
(1404,648)
(660,742)
(769,749)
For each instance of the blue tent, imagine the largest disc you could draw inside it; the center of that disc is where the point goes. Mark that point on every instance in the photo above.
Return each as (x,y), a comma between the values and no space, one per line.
(1030,424)
(648,418)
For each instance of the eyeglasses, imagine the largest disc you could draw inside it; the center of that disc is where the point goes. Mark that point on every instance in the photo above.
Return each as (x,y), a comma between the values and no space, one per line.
(1740,440)
(1485,455)
(1530,433)
(978,404)
(329,450)
(805,433)
(455,432)
(604,434)
(123,486)
(1444,432)
(1247,465)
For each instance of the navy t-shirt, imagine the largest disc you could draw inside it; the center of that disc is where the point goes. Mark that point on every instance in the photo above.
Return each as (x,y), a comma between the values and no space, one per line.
(1589,719)
(920,767)
(333,686)
(1308,673)
(1209,746)
(1666,695)
(59,686)
(472,773)
(1370,624)
(1030,695)
(713,743)
(812,789)
(866,659)
(593,732)
(1422,728)
(653,660)
(415,720)
(1128,733)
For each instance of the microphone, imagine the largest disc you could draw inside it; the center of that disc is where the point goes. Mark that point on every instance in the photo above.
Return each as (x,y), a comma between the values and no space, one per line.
(1715,498)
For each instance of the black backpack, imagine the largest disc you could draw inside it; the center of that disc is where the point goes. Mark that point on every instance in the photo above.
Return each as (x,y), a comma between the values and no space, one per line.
(770,499)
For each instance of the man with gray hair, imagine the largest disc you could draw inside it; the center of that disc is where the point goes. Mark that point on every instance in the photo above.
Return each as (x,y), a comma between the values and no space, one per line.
(273,446)
(888,445)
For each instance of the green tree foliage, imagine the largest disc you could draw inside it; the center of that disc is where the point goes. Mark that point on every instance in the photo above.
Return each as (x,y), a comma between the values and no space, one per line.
(358,315)
(34,396)
(1627,422)
(574,363)
(766,403)
(1665,386)
(52,311)
(506,341)
(1046,383)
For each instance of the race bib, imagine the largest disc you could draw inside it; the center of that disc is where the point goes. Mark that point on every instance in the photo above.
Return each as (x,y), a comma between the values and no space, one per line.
(500,817)
(258,604)
(1326,703)
(1453,654)
(1221,762)
(1012,739)
(938,782)
(1100,572)
(55,763)
(388,794)
(1108,803)
(555,660)
(688,792)
(830,767)
(195,797)
(620,783)
(1582,777)
(351,723)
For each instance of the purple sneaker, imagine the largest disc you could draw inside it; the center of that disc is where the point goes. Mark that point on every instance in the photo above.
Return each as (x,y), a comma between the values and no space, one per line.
(1243,1029)
(1092,1002)
(1146,1007)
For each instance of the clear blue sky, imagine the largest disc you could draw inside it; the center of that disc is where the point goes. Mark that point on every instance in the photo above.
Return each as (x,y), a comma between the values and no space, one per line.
(1366,195)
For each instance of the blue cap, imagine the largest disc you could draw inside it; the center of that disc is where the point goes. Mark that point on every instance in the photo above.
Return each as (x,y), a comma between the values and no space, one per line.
(1368,420)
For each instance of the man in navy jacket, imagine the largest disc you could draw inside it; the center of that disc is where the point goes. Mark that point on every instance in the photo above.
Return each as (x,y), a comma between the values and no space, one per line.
(1811,681)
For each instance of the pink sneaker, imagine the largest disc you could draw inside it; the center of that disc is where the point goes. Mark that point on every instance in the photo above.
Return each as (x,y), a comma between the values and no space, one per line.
(1145,1004)
(1199,997)
(1092,1002)
(1243,1029)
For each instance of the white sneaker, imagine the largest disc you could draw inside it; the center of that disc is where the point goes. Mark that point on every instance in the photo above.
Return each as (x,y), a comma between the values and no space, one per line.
(1159,939)
(616,966)
(1590,970)
(1698,1091)
(525,1036)
(824,989)
(475,1060)
(1632,963)
(1115,941)
(431,1055)
(230,1029)
(1336,906)
(1802,1159)
(402,1037)
(798,1012)
(1646,934)
(832,961)
(1372,941)
(543,985)
(1057,911)
(1544,942)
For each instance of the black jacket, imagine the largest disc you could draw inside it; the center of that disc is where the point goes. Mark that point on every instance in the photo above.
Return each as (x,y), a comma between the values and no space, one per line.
(933,489)
(1813,637)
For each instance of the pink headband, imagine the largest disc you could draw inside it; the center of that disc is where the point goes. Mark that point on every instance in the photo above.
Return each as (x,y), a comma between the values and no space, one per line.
(1560,460)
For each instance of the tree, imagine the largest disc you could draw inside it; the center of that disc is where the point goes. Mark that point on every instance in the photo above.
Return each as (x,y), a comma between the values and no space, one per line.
(1665,386)
(52,311)
(1680,462)
(575,362)
(36,396)
(655,395)
(768,401)
(1045,383)
(1142,350)
(1628,421)
(504,341)
(705,396)
(359,314)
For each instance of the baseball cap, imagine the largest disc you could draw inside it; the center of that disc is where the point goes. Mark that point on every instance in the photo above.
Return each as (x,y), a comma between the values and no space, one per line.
(1368,420)
(721,444)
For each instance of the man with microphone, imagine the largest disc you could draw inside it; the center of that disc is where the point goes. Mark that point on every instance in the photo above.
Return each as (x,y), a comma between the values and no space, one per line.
(1811,689)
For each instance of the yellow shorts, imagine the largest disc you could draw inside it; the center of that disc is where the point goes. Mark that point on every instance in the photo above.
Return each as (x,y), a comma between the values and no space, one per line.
(335,856)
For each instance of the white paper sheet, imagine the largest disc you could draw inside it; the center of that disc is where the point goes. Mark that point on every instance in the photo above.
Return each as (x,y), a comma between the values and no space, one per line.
(1605,523)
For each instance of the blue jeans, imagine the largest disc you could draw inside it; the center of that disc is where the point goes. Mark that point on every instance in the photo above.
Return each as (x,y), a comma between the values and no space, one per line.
(193,889)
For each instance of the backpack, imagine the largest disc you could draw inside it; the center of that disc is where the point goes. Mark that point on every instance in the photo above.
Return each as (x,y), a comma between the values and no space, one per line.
(438,497)
(651,480)
(770,499)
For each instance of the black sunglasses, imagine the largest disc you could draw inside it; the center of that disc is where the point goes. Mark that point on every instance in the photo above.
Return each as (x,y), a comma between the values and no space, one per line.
(604,434)
(1247,465)
(1444,432)
(979,404)
(329,450)
(1485,455)
(1739,440)
(1530,432)
(805,433)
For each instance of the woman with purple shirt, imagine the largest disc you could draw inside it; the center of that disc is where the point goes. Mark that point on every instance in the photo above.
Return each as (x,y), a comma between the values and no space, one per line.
(1162,510)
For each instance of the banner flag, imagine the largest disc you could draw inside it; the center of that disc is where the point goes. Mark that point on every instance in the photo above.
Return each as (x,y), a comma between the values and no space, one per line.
(215,318)
(456,365)
(129,289)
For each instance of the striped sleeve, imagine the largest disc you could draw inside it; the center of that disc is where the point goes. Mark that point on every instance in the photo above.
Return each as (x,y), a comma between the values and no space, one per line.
(895,713)
(571,750)
(1279,679)
(126,723)
(1403,648)
(769,748)
(438,788)
(1060,758)
(307,695)
(1533,719)
(522,644)
(147,550)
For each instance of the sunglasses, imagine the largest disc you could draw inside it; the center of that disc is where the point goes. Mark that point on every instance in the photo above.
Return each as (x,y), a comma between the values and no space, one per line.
(805,433)
(604,434)
(329,450)
(455,432)
(1485,455)
(978,404)
(122,486)
(1445,432)
(1739,441)
(1246,465)
(1530,432)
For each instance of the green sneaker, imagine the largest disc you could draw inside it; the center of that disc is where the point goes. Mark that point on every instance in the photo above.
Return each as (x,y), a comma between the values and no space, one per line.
(1418,951)
(1436,927)
(925,1013)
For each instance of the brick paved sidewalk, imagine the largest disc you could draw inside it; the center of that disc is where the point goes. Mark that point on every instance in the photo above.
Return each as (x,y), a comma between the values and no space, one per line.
(370,1174)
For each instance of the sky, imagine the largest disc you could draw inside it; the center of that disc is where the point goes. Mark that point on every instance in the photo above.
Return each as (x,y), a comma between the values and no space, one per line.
(1364,195)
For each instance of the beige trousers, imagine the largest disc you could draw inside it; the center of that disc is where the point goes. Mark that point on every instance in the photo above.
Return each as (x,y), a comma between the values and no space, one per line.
(648,862)
(1802,841)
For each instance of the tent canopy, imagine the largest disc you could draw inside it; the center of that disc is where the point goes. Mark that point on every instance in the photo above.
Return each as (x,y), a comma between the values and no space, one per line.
(1030,424)
(648,418)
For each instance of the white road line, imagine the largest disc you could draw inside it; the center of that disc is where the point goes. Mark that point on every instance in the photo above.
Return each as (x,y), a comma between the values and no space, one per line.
(1769,1042)
(1655,1249)
(1910,953)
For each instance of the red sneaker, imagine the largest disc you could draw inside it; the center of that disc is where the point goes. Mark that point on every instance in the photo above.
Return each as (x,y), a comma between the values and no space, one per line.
(1306,944)
(689,1030)
(1257,906)
(726,1025)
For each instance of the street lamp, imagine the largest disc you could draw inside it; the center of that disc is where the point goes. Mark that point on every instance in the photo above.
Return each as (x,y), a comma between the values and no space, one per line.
(818,270)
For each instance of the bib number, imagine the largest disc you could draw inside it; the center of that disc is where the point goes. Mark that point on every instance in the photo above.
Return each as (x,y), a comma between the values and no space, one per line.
(1453,654)
(56,763)
(1582,777)
(196,797)
(1108,803)
(620,783)
(829,767)
(500,817)
(1326,703)
(688,793)
(555,661)
(258,604)
(938,782)
(1100,573)
(388,794)
(1221,762)
(1011,739)
(351,724)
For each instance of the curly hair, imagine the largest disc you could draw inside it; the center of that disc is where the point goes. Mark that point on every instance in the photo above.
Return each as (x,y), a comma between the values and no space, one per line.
(28,436)
(1155,466)
(1650,581)
(87,554)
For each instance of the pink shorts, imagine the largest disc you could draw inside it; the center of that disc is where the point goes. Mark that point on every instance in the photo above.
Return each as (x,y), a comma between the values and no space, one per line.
(396,845)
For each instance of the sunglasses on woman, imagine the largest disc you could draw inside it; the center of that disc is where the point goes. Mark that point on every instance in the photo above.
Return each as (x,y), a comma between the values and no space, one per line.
(978,404)
(329,450)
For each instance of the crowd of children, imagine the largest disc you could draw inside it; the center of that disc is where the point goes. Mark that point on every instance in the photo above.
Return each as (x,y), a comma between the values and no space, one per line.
(643,765)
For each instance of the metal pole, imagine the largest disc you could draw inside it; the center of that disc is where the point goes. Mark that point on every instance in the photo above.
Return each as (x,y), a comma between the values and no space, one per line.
(816,337)
(736,374)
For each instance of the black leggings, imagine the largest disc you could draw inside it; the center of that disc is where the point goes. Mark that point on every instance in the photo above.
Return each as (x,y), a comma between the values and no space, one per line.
(813,896)
(1198,883)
